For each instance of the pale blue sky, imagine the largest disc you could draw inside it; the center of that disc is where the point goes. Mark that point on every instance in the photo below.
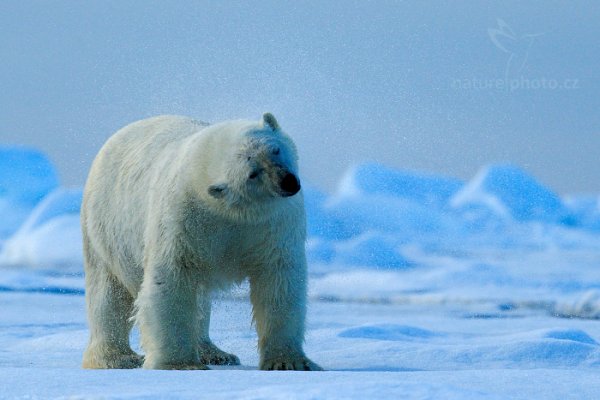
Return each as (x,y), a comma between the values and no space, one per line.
(403,83)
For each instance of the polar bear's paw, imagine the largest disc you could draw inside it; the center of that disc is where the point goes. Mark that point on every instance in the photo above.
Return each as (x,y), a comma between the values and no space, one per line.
(211,354)
(129,361)
(112,361)
(283,363)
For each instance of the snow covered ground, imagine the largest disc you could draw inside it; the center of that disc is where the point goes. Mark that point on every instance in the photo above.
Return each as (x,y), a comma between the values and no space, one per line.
(421,287)
(370,350)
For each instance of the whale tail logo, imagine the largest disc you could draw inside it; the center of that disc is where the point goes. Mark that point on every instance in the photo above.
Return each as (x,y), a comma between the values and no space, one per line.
(516,46)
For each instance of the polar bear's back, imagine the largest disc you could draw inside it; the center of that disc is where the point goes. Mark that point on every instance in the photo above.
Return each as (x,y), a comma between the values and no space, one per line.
(119,186)
(149,137)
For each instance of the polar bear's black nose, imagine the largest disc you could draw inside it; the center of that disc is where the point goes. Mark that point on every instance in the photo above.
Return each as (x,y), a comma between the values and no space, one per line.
(290,185)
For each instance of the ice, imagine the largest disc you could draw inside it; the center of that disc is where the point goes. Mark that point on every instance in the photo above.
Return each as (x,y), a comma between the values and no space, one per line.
(507,191)
(51,235)
(584,305)
(401,216)
(60,202)
(389,332)
(376,179)
(586,210)
(425,349)
(26,176)
(374,197)
(574,335)
(319,250)
(371,250)
(419,287)
(319,220)
(374,213)
(369,351)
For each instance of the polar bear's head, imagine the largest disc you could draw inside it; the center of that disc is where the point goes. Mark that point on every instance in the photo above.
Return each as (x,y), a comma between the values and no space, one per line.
(260,163)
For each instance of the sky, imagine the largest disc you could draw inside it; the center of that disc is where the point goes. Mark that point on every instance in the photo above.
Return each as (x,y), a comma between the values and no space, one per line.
(430,86)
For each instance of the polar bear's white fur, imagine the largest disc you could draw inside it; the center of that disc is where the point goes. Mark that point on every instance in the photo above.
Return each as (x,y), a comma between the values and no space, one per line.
(174,208)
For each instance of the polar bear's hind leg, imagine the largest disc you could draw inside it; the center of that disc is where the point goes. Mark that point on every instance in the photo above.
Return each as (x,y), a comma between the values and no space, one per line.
(109,307)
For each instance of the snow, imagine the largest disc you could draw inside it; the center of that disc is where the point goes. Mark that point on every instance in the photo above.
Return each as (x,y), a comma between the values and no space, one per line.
(509,192)
(421,286)
(375,179)
(50,236)
(372,350)
(586,210)
(26,176)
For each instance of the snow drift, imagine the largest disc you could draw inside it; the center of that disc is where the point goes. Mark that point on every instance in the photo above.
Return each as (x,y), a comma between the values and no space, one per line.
(371,220)
(26,176)
(51,236)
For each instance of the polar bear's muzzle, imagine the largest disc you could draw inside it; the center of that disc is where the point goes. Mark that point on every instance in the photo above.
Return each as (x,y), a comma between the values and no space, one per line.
(289,185)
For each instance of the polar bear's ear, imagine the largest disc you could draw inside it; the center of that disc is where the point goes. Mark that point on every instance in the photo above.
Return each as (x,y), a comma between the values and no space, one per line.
(270,121)
(218,191)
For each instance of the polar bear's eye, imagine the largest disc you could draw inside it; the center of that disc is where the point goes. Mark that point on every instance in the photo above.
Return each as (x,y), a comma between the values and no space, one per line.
(276,151)
(254,174)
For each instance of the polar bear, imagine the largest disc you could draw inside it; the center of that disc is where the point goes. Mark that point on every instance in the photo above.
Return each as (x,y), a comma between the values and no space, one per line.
(175,208)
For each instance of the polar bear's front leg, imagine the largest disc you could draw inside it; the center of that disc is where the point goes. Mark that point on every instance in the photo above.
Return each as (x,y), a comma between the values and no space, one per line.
(208,351)
(167,312)
(278,297)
